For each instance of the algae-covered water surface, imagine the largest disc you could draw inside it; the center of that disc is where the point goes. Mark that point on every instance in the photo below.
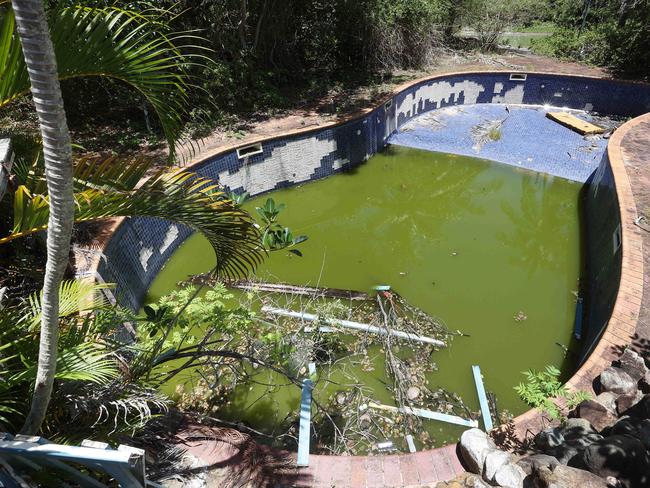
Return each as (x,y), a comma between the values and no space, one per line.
(491,250)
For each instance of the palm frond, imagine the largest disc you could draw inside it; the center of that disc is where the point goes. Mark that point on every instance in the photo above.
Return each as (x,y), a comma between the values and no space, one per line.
(112,191)
(114,43)
(82,362)
(74,296)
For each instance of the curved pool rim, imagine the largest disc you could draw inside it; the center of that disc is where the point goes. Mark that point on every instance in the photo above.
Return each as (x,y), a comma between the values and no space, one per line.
(622,322)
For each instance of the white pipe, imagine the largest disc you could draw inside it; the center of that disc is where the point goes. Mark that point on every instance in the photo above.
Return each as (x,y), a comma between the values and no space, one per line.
(353,325)
(427,414)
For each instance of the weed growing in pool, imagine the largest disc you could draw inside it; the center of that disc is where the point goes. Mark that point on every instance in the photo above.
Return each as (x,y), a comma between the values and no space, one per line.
(543,390)
(495,133)
(275,237)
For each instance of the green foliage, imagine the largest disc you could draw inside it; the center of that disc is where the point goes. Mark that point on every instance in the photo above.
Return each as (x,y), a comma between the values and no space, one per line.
(108,187)
(275,237)
(82,359)
(616,35)
(134,47)
(542,389)
(184,325)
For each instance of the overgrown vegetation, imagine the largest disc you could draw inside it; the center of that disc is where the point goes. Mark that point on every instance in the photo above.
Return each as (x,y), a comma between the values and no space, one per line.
(610,33)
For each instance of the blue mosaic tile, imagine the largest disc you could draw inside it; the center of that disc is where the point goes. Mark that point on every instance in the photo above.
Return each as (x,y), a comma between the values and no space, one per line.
(528,139)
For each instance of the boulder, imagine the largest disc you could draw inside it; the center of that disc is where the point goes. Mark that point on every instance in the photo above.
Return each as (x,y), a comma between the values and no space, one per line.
(635,427)
(558,476)
(641,409)
(633,365)
(608,399)
(548,439)
(625,402)
(579,433)
(493,461)
(625,426)
(621,456)
(474,446)
(566,441)
(644,433)
(597,414)
(618,381)
(510,476)
(530,463)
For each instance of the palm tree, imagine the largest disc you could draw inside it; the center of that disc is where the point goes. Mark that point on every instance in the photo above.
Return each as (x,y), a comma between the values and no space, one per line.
(129,47)
(57,154)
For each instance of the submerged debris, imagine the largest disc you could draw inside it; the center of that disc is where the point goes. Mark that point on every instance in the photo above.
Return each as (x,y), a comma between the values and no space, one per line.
(520,316)
(342,421)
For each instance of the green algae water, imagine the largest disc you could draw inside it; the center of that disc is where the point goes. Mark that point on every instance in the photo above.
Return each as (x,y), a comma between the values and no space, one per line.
(490,249)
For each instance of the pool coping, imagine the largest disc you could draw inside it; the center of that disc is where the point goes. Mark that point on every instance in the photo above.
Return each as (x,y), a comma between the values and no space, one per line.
(442,464)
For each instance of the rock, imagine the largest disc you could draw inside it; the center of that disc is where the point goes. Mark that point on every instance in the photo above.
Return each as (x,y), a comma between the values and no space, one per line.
(565,453)
(579,433)
(493,461)
(465,480)
(566,441)
(597,414)
(625,426)
(529,463)
(558,476)
(635,427)
(365,421)
(641,409)
(548,439)
(474,446)
(510,476)
(613,482)
(644,433)
(621,456)
(341,398)
(608,399)
(625,402)
(633,365)
(413,392)
(618,381)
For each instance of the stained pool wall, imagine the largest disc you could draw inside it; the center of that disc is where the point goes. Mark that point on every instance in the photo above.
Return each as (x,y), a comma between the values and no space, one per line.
(140,246)
(602,246)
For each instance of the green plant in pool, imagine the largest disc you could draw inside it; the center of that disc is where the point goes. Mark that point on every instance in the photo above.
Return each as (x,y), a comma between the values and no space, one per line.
(275,237)
(495,133)
(543,389)
(238,198)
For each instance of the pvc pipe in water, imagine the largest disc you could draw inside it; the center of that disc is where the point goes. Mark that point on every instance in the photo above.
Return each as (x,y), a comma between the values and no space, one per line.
(353,325)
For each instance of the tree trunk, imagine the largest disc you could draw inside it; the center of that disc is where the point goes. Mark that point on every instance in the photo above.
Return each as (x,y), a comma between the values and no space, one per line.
(39,56)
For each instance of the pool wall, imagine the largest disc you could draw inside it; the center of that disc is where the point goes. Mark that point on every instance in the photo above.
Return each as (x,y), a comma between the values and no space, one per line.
(602,245)
(140,246)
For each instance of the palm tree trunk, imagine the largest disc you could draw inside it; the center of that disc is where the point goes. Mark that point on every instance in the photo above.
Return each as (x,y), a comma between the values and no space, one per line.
(35,39)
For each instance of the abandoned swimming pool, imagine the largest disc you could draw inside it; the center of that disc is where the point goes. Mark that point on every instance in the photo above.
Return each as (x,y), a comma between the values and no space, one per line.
(143,245)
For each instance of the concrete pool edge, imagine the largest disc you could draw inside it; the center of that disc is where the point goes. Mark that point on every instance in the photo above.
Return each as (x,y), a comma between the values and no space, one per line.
(441,464)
